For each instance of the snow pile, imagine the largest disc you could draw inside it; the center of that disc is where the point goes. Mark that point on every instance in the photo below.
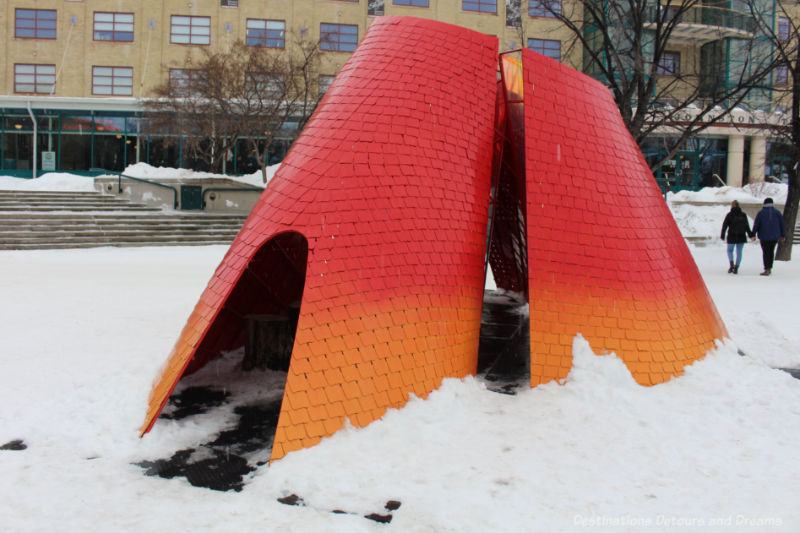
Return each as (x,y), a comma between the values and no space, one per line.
(699,214)
(750,193)
(555,458)
(52,181)
(700,222)
(55,181)
(145,171)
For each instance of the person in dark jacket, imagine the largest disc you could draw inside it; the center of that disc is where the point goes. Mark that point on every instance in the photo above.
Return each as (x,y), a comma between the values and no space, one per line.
(738,229)
(770,228)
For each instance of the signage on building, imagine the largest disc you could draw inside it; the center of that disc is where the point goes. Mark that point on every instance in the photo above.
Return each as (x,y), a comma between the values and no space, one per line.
(48,160)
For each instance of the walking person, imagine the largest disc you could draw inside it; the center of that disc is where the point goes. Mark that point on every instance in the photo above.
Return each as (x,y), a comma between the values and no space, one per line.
(738,228)
(770,228)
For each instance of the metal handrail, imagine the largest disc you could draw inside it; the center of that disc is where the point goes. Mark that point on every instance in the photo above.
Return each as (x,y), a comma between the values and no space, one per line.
(174,190)
(259,190)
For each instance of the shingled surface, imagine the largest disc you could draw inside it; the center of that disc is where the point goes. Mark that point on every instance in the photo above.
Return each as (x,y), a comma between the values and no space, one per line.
(375,227)
(606,258)
(388,185)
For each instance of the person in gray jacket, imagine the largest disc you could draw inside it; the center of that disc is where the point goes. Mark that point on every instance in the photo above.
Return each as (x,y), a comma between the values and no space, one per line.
(770,228)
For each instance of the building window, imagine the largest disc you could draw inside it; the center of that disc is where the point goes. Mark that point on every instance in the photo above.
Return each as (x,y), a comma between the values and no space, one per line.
(113,26)
(514,14)
(112,81)
(669,64)
(783,28)
(782,75)
(413,3)
(265,85)
(544,8)
(183,81)
(229,3)
(375,7)
(35,23)
(266,33)
(338,37)
(190,30)
(546,47)
(483,6)
(38,79)
(325,83)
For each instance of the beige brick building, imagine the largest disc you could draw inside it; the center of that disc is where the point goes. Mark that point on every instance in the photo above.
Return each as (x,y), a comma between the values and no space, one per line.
(73,71)
(142,34)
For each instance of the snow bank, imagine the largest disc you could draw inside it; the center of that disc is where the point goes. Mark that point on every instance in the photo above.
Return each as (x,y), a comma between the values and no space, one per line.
(145,171)
(750,193)
(599,449)
(53,181)
(699,214)
(700,221)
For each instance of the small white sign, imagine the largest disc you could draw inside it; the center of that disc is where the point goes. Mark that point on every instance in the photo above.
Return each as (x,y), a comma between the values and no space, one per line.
(48,160)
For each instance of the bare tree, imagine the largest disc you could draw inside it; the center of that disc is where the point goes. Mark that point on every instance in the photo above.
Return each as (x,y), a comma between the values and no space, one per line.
(247,93)
(785,41)
(631,46)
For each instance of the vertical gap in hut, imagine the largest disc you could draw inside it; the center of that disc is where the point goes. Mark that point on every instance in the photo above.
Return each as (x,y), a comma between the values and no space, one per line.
(504,347)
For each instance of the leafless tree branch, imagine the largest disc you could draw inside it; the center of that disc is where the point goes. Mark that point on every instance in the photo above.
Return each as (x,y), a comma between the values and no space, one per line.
(246,93)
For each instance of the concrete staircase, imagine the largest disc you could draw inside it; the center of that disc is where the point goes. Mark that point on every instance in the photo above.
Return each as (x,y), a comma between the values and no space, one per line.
(46,220)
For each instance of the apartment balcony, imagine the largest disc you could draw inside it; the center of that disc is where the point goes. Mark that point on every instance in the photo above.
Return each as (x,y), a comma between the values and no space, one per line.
(703,24)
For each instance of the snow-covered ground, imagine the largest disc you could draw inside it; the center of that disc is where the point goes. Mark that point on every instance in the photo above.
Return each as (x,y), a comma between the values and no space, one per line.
(84,332)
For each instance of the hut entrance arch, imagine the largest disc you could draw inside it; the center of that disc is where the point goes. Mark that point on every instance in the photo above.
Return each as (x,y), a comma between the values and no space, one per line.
(260,314)
(239,368)
(271,304)
(255,331)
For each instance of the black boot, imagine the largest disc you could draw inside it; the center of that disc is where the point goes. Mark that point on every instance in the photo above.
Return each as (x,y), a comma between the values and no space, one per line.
(736,270)
(731,268)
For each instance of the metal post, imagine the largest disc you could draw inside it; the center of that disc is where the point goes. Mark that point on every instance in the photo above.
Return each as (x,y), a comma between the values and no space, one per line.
(35,135)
